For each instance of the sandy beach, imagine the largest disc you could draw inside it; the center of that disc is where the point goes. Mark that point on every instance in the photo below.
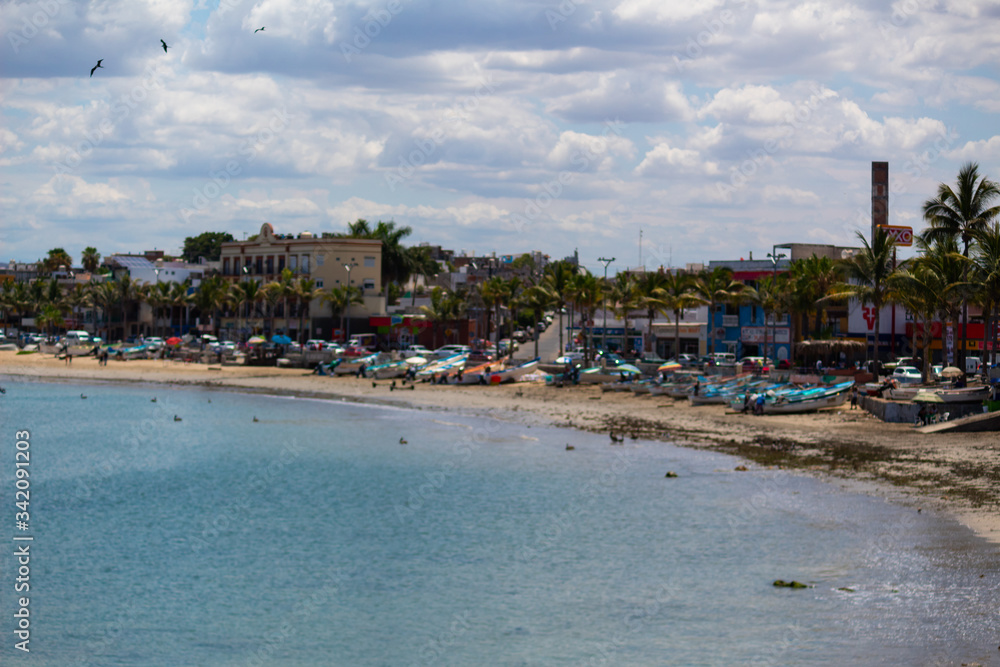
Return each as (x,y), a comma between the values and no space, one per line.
(953,473)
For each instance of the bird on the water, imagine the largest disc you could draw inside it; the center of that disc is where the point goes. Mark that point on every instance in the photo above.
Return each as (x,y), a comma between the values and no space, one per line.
(94,68)
(83,396)
(177,419)
(402,441)
(255,419)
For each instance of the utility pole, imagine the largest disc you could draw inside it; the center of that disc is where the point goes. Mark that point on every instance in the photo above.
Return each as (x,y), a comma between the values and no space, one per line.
(604,301)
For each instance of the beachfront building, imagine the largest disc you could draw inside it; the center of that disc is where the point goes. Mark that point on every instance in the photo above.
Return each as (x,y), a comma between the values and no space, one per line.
(328,260)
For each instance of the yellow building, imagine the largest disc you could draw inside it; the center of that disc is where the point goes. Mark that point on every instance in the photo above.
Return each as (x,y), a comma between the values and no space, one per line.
(329,261)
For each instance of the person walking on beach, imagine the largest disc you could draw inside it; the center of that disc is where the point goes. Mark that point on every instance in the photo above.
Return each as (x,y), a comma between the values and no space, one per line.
(854,397)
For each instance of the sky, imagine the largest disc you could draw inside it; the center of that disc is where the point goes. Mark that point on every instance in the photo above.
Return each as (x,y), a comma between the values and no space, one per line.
(709,129)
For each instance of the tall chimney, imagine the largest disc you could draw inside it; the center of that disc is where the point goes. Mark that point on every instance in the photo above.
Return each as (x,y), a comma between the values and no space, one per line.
(880,195)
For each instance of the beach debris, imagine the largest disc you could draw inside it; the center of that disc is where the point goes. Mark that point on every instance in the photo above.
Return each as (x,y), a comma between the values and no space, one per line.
(740,468)
(781,583)
(671,474)
(403,441)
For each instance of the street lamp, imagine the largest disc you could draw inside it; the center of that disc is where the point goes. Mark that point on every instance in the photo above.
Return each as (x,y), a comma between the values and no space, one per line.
(347,308)
(774,257)
(604,301)
(157,272)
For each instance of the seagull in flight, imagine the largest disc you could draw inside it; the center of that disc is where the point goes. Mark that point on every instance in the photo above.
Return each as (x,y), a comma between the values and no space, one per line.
(165,47)
(258,30)
(94,69)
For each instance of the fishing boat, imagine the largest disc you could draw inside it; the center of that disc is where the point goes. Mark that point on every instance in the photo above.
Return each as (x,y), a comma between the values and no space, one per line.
(515,373)
(474,375)
(809,400)
(448,366)
(132,352)
(962,395)
(599,374)
(353,365)
(391,369)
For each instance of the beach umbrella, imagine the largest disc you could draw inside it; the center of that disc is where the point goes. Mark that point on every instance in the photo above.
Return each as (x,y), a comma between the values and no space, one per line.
(951,372)
(281,339)
(415,361)
(626,368)
(257,339)
(669,367)
(173,340)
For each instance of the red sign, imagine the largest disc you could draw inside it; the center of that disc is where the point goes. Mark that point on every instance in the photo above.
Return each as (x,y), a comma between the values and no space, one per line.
(899,235)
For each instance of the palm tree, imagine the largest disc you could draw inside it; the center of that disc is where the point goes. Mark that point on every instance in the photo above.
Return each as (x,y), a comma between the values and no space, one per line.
(340,299)
(716,288)
(128,293)
(179,298)
(495,294)
(157,295)
(586,294)
(624,299)
(285,287)
(986,276)
(246,295)
(50,317)
(917,288)
(678,293)
(57,257)
(105,296)
(421,265)
(949,266)
(305,292)
(557,280)
(773,296)
(961,213)
(818,275)
(537,299)
(78,298)
(444,307)
(869,270)
(211,296)
(90,259)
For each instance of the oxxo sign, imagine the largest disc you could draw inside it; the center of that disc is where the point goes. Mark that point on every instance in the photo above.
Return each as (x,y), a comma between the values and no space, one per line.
(899,235)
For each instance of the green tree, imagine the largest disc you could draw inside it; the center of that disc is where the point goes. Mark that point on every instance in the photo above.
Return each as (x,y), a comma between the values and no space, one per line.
(986,277)
(868,274)
(56,258)
(556,279)
(305,292)
(961,213)
(340,299)
(90,259)
(678,293)
(206,244)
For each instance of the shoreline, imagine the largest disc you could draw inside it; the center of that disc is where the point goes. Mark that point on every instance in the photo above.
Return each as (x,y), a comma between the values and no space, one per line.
(952,473)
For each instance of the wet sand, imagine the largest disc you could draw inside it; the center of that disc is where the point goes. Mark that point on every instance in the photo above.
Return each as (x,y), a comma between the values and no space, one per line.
(953,473)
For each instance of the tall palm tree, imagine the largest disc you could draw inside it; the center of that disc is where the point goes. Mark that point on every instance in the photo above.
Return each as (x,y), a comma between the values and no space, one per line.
(949,266)
(50,317)
(717,288)
(105,297)
(78,299)
(129,293)
(305,292)
(586,295)
(56,258)
(212,295)
(624,299)
(986,276)
(179,298)
(868,272)
(678,293)
(773,296)
(917,288)
(421,265)
(557,279)
(340,299)
(818,275)
(285,287)
(90,259)
(157,295)
(537,299)
(246,295)
(961,213)
(495,294)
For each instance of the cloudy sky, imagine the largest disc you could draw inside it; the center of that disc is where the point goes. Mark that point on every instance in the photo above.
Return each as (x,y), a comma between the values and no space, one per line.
(716,128)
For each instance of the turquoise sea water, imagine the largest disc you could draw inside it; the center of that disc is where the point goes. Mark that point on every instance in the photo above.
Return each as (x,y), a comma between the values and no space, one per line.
(313,537)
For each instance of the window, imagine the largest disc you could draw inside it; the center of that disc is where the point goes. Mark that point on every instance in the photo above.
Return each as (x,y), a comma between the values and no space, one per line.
(370,262)
(269,264)
(369,283)
(225,266)
(281,264)
(305,263)
(320,258)
(259,265)
(293,262)
(319,283)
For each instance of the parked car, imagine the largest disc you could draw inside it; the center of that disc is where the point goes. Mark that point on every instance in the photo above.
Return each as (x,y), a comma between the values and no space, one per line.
(154,342)
(906,374)
(416,351)
(688,360)
(570,358)
(315,344)
(450,350)
(506,343)
(749,364)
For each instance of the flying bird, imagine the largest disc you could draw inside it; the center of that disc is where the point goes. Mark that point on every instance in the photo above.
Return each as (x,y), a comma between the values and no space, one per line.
(94,69)
(165,47)
(258,30)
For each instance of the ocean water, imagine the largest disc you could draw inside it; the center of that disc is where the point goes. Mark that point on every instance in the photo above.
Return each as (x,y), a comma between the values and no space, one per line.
(313,537)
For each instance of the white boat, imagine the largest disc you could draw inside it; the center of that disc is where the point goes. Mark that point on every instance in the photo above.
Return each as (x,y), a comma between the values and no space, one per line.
(351,365)
(616,386)
(597,375)
(447,366)
(392,369)
(963,395)
(515,373)
(133,352)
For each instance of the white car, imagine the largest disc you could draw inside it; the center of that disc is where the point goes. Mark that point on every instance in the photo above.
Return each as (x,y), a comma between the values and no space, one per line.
(570,358)
(416,351)
(450,350)
(154,342)
(906,375)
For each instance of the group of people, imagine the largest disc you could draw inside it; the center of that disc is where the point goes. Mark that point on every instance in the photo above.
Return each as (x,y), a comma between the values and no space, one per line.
(754,402)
